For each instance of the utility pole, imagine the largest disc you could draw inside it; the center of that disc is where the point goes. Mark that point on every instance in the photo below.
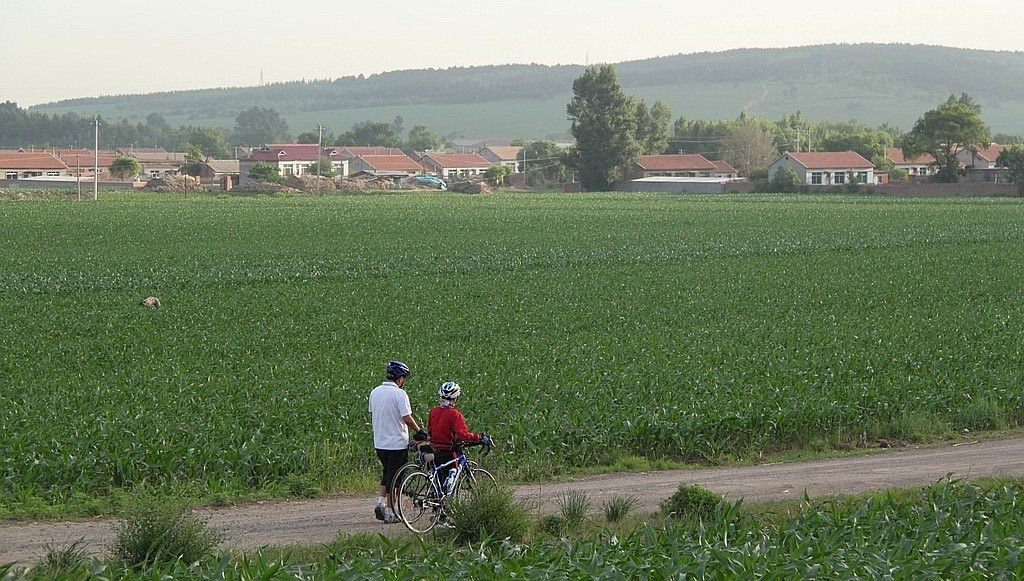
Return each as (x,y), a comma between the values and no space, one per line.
(96,160)
(319,140)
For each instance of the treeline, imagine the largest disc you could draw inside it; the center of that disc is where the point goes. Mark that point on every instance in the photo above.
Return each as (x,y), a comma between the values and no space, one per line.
(893,68)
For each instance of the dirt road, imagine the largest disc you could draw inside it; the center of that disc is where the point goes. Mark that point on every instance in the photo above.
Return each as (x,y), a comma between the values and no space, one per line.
(309,522)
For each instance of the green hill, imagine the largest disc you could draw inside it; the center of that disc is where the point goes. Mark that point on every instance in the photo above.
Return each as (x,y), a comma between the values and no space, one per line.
(874,83)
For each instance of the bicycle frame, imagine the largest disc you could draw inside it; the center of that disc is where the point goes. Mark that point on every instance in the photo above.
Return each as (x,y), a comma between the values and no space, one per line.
(457,463)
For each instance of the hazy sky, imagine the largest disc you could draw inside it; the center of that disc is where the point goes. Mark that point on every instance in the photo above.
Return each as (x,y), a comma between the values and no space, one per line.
(58,49)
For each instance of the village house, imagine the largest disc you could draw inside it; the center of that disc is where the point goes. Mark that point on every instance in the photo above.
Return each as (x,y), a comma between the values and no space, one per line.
(353,151)
(223,172)
(825,168)
(981,165)
(920,166)
(724,170)
(395,167)
(454,165)
(510,155)
(689,165)
(155,162)
(20,165)
(291,159)
(82,162)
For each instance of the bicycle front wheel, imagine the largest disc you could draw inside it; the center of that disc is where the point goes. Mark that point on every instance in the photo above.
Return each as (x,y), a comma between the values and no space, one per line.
(474,478)
(419,502)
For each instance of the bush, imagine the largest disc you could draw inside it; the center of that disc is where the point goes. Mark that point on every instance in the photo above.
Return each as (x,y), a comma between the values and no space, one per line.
(691,502)
(153,532)
(63,562)
(616,508)
(553,524)
(488,511)
(574,507)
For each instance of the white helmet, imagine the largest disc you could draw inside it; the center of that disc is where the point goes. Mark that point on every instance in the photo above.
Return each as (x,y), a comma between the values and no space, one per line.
(449,390)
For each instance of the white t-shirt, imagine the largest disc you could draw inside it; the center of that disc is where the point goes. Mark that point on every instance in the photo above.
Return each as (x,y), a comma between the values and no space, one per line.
(388,405)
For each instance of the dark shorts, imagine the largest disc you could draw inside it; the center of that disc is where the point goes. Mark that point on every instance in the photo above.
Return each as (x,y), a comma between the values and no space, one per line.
(391,460)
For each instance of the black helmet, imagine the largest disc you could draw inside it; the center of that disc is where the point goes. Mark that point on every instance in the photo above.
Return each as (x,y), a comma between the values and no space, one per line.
(397,369)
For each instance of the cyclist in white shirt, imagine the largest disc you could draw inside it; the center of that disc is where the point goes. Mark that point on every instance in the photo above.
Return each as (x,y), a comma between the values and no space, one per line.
(392,418)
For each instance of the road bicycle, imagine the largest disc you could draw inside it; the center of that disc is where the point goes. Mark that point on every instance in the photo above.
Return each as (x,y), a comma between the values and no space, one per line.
(424,500)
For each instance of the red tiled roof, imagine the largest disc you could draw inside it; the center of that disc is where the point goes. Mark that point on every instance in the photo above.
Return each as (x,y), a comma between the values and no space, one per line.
(291,152)
(723,167)
(831,160)
(455,160)
(895,155)
(391,162)
(990,153)
(30,160)
(676,162)
(84,157)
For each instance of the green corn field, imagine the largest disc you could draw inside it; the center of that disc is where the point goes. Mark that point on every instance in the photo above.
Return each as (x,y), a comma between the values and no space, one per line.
(582,328)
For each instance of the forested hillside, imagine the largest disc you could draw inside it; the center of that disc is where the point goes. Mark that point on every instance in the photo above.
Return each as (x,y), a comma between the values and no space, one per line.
(874,83)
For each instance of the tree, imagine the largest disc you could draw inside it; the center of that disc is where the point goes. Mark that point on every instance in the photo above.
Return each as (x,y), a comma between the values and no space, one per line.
(193,157)
(603,120)
(210,141)
(748,147)
(544,163)
(421,139)
(497,173)
(311,137)
(784,180)
(257,126)
(652,127)
(944,131)
(1012,158)
(326,169)
(369,133)
(262,171)
(124,167)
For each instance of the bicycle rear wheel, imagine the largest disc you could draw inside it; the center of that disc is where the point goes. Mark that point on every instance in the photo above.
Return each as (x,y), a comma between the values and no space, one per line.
(419,503)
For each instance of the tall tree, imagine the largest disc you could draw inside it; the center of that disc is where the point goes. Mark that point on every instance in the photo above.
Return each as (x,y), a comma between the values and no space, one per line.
(749,147)
(257,126)
(369,133)
(652,127)
(543,162)
(210,141)
(943,131)
(421,139)
(603,120)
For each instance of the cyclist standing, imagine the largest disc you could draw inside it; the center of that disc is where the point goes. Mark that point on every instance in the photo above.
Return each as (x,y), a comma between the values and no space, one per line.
(447,426)
(392,418)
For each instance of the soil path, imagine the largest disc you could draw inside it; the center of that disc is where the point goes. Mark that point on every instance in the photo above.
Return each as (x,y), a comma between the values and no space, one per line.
(309,522)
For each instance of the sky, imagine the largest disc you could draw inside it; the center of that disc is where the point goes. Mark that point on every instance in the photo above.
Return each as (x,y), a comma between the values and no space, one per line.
(62,49)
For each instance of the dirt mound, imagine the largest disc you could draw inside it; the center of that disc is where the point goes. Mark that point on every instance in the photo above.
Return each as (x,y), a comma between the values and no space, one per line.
(264,188)
(469,187)
(308,183)
(174,185)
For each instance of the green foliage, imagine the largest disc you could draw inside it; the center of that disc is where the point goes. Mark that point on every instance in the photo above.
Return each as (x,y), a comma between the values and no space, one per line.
(159,531)
(574,506)
(326,168)
(488,512)
(691,502)
(544,163)
(262,171)
(369,133)
(497,173)
(603,119)
(1012,158)
(785,180)
(210,141)
(258,126)
(421,139)
(124,167)
(943,131)
(652,127)
(617,507)
(68,561)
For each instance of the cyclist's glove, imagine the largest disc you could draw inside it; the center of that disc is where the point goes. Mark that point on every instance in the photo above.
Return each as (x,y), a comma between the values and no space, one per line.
(421,435)
(486,440)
